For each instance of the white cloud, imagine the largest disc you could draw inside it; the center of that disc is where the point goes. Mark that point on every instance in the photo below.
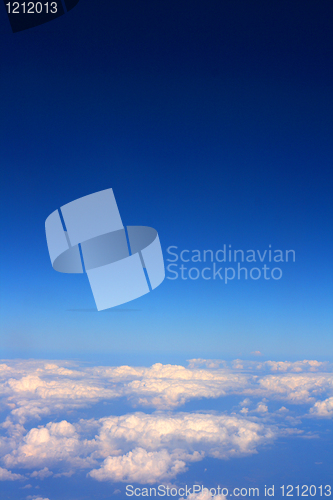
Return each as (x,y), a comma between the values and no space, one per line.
(34,497)
(191,434)
(7,475)
(204,495)
(296,388)
(160,444)
(297,366)
(171,442)
(162,392)
(65,474)
(209,363)
(48,445)
(261,408)
(35,389)
(37,395)
(133,446)
(140,466)
(281,366)
(323,408)
(41,474)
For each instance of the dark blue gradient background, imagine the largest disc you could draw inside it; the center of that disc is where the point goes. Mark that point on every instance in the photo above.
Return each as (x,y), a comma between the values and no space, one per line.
(212,122)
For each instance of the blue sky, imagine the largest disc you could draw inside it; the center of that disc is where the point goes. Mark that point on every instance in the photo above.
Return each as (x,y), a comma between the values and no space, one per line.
(212,123)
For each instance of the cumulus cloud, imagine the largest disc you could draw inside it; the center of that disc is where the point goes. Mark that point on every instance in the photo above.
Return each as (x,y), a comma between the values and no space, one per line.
(38,395)
(296,388)
(7,475)
(281,366)
(140,466)
(208,363)
(41,474)
(323,408)
(262,408)
(189,435)
(168,387)
(55,443)
(149,447)
(138,447)
(163,444)
(35,389)
(297,366)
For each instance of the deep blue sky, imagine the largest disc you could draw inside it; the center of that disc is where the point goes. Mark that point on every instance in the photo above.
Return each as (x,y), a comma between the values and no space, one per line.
(212,122)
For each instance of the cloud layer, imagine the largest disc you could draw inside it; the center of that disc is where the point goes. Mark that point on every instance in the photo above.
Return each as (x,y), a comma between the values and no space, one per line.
(161,444)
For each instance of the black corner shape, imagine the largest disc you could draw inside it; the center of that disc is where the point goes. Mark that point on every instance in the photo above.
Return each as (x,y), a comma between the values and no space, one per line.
(27,14)
(70,4)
